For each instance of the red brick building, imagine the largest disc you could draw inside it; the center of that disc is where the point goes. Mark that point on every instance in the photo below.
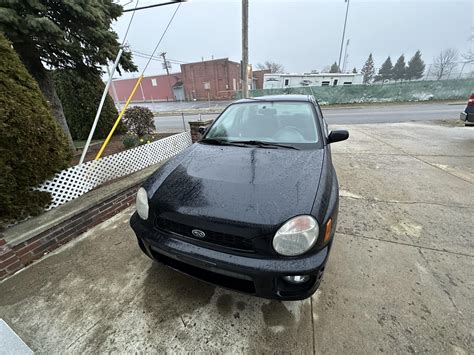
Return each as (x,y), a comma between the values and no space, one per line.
(214,79)
(152,88)
(258,78)
(217,79)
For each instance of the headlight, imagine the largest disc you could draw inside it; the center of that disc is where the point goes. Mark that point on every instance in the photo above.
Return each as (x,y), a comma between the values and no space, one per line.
(142,203)
(296,236)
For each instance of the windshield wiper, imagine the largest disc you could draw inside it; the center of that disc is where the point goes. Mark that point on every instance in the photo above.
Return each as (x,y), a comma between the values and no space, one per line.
(267,144)
(216,141)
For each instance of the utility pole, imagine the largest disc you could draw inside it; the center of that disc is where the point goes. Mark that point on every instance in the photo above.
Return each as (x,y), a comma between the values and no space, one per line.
(344,62)
(166,67)
(245,48)
(343,34)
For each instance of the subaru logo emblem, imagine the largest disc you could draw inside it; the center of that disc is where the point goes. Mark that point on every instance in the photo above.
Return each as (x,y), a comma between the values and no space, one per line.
(198,233)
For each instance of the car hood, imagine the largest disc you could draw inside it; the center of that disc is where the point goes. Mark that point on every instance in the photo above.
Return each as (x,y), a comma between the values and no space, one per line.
(240,187)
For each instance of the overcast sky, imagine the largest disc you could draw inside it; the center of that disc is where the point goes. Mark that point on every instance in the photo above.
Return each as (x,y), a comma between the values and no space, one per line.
(302,35)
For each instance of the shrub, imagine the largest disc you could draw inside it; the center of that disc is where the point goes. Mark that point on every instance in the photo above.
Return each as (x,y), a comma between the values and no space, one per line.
(80,91)
(32,146)
(139,120)
(130,141)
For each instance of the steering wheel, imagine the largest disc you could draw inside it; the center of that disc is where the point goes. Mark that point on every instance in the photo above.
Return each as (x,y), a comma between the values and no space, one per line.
(289,133)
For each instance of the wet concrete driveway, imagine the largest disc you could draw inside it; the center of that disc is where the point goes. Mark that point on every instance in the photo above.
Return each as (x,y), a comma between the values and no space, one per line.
(400,276)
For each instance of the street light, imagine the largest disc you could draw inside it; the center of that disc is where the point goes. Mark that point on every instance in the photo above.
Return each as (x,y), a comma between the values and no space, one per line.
(343,34)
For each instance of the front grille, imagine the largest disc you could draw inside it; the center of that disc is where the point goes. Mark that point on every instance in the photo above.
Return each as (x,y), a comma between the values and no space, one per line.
(220,239)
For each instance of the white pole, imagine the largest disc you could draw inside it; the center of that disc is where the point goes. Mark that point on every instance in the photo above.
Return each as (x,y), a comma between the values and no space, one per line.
(99,109)
(343,35)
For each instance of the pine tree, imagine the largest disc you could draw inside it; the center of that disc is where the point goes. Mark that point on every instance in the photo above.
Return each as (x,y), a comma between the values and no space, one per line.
(399,69)
(62,34)
(354,71)
(368,70)
(335,68)
(416,67)
(385,71)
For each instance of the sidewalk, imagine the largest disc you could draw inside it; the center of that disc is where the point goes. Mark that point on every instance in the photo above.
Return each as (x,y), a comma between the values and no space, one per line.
(399,278)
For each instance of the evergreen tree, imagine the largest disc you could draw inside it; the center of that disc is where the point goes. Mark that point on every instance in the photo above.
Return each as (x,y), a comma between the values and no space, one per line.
(335,68)
(377,78)
(354,71)
(368,70)
(385,71)
(399,69)
(416,67)
(62,34)
(83,88)
(32,145)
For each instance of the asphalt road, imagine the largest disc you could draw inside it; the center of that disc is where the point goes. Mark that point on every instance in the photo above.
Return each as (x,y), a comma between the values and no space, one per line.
(347,115)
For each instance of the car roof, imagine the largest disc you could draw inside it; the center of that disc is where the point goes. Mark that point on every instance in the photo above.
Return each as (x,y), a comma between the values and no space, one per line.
(300,98)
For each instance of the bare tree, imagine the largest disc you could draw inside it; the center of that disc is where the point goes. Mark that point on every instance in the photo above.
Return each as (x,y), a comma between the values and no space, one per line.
(272,66)
(445,62)
(468,56)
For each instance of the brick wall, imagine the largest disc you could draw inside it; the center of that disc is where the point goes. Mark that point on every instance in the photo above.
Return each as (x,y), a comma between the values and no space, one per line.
(219,78)
(14,258)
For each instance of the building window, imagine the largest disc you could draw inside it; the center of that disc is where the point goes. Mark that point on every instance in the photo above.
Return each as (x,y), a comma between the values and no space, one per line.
(347,83)
(153,82)
(207,85)
(325,83)
(335,82)
(287,82)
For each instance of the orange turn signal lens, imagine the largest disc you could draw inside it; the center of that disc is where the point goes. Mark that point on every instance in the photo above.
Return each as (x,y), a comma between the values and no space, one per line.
(327,232)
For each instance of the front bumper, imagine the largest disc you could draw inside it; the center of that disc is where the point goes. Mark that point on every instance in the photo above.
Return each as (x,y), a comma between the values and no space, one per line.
(259,277)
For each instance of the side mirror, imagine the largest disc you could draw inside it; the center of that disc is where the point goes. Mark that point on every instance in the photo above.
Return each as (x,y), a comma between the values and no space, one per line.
(337,136)
(202,129)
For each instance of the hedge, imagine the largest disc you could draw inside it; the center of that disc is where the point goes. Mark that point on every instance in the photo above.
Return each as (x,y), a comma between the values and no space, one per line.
(32,146)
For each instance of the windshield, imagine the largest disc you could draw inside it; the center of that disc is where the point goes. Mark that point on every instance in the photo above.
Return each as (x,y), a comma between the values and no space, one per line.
(274,122)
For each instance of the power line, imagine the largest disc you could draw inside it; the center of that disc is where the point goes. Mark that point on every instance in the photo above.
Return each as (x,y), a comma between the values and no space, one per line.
(140,53)
(130,22)
(161,38)
(155,59)
(155,5)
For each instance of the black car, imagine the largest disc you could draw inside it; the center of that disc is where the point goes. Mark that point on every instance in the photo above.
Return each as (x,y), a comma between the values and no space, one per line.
(468,115)
(253,205)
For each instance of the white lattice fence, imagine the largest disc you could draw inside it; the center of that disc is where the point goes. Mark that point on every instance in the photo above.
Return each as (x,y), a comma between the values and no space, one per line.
(77,180)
